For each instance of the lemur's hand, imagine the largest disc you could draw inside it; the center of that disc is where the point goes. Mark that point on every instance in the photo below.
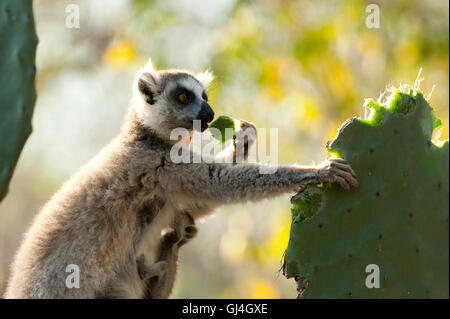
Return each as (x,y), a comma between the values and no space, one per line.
(337,170)
(246,133)
(245,138)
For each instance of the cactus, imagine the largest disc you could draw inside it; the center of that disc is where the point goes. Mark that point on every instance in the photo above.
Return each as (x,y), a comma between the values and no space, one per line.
(17,91)
(397,219)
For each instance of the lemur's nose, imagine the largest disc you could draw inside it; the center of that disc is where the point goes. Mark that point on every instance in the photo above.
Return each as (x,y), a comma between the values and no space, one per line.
(210,115)
(207,114)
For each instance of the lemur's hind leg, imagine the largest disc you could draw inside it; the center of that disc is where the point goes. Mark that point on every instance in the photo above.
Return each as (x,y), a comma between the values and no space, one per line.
(159,277)
(147,271)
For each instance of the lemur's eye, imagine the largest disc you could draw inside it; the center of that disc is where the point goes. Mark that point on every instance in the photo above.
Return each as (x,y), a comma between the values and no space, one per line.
(182,98)
(205,97)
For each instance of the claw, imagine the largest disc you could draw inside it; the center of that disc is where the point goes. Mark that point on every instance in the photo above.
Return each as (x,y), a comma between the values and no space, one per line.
(343,183)
(346,167)
(297,195)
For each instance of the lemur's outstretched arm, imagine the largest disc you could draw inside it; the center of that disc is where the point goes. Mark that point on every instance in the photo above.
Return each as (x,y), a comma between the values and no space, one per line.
(226,183)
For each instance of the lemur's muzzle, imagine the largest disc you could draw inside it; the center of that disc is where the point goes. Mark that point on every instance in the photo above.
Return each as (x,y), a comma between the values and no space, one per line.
(205,115)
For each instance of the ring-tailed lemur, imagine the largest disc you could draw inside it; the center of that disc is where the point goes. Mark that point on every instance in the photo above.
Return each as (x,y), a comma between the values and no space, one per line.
(116,207)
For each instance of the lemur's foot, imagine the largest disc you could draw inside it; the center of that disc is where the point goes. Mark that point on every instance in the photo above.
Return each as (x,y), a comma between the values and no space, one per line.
(147,271)
(337,170)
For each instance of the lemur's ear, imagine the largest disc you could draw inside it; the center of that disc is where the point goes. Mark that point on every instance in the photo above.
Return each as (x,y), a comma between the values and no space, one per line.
(147,82)
(149,66)
(147,86)
(205,78)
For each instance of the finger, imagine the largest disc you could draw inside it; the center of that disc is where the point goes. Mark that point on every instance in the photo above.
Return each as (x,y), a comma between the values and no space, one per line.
(339,160)
(244,124)
(345,167)
(341,182)
(298,194)
(348,177)
(345,174)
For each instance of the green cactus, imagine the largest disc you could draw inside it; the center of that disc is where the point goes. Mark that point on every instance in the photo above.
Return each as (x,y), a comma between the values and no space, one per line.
(17,90)
(396,219)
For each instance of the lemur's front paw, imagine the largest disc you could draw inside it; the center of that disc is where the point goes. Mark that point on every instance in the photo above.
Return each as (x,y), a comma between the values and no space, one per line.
(337,170)
(246,133)
(244,139)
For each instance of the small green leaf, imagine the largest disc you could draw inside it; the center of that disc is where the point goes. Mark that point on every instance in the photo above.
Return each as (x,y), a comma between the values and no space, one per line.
(223,123)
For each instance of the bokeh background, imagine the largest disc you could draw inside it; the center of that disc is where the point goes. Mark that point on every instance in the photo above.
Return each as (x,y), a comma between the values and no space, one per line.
(300,66)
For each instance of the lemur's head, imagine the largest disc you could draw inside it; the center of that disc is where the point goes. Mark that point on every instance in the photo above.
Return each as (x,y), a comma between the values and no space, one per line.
(168,99)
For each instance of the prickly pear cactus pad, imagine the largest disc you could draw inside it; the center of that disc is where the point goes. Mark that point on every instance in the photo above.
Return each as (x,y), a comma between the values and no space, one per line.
(397,219)
(17,91)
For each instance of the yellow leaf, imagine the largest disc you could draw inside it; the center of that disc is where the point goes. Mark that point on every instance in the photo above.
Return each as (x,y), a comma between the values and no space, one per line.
(273,91)
(119,54)
(305,109)
(369,43)
(406,52)
(233,246)
(261,289)
(340,78)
